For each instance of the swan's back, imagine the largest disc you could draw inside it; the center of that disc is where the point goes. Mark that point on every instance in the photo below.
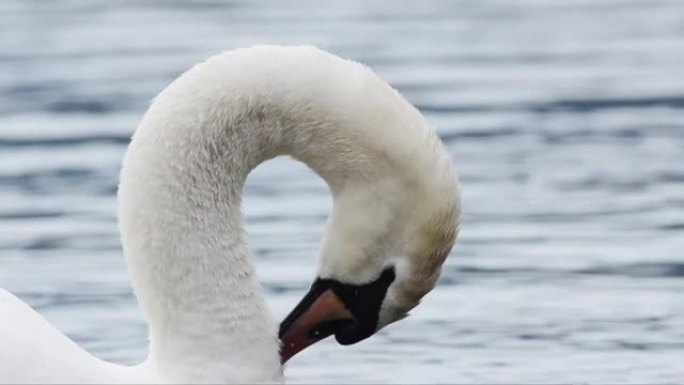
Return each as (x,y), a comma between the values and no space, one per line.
(34,351)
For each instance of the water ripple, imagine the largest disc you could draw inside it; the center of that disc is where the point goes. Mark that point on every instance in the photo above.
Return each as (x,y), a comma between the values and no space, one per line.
(567,132)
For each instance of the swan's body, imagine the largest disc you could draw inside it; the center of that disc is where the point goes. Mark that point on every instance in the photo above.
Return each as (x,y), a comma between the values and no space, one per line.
(34,351)
(396,204)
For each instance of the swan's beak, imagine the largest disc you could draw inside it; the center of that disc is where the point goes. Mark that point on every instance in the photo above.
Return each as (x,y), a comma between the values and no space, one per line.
(317,316)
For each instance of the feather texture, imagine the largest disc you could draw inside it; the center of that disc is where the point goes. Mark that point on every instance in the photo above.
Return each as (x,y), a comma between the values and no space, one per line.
(395,193)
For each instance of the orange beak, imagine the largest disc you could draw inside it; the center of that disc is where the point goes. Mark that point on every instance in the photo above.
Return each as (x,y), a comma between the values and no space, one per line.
(316,317)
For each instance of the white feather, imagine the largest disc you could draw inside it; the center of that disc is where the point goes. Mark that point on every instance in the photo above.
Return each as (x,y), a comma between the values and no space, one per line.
(395,195)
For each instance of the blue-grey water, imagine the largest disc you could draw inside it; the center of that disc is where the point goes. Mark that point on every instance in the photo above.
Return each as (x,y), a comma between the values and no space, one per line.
(566,123)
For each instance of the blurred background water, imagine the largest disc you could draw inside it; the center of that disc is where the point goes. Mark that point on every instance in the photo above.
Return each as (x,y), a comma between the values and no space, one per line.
(565,119)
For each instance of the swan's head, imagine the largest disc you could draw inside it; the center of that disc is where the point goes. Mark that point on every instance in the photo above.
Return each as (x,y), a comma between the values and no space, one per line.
(385,243)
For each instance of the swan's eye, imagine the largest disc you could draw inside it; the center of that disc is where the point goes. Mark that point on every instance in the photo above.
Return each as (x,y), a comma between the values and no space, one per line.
(331,307)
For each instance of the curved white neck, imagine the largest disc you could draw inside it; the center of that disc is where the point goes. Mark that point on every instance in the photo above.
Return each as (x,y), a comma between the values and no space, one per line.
(182,181)
(185,246)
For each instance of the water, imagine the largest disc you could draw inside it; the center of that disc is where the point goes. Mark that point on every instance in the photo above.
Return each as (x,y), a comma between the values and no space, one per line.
(565,119)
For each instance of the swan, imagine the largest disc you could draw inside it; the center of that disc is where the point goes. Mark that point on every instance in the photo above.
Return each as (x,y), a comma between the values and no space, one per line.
(395,218)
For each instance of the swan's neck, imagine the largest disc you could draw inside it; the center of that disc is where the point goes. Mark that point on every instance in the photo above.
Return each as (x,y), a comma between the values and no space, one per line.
(185,246)
(182,181)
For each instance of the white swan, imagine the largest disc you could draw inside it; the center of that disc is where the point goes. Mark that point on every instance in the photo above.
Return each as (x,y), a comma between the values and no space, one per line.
(394,220)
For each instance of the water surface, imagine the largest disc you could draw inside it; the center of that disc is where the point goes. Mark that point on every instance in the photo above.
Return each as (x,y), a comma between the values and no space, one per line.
(566,123)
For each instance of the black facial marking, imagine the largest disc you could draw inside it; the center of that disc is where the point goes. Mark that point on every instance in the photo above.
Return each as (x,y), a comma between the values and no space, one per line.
(329,328)
(363,301)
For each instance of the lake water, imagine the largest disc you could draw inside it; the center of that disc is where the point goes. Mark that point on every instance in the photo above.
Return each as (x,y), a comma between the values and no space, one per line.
(566,123)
